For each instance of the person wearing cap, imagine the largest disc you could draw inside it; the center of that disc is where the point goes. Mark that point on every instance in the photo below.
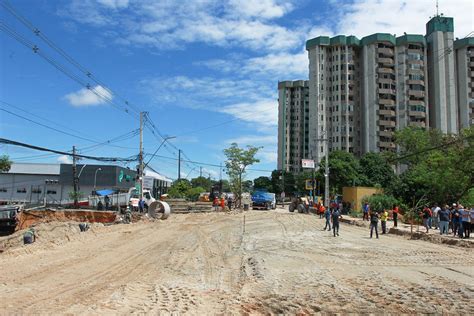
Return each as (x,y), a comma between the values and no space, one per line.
(443,215)
(374,221)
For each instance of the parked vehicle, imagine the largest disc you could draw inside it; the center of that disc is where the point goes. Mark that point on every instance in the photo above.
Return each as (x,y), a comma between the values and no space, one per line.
(263,200)
(9,218)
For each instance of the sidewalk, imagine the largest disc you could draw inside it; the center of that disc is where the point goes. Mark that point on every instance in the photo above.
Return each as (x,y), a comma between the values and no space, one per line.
(418,232)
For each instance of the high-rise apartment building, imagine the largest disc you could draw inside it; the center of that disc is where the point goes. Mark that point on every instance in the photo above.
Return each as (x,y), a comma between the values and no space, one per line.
(464,52)
(362,91)
(293,124)
(334,95)
(442,90)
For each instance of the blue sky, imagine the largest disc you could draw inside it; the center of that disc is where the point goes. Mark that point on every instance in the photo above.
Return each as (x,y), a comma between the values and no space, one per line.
(190,64)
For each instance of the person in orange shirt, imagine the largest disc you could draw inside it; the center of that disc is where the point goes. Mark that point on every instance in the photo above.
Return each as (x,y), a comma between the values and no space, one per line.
(222,203)
(215,203)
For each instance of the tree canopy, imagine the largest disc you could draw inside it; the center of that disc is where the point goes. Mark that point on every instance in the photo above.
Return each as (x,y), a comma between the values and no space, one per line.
(238,159)
(5,163)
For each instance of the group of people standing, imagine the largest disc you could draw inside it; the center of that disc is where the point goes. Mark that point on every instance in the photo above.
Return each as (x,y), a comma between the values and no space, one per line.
(222,203)
(457,219)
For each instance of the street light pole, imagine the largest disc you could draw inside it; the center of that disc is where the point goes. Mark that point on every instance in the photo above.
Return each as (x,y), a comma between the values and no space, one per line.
(95,178)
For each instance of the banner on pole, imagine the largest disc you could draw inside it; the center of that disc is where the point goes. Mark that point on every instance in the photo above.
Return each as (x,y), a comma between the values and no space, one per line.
(307,163)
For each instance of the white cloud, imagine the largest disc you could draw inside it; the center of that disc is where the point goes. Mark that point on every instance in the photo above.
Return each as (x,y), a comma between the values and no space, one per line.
(267,9)
(255,140)
(264,112)
(85,97)
(172,24)
(64,159)
(365,17)
(206,92)
(114,4)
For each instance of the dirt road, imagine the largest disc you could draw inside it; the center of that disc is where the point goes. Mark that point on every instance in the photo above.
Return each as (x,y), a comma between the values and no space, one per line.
(206,264)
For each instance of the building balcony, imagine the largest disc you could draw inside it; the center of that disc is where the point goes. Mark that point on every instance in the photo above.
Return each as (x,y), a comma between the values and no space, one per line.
(386,51)
(386,80)
(416,102)
(472,74)
(384,70)
(387,145)
(387,123)
(416,72)
(416,93)
(415,51)
(471,104)
(471,95)
(415,61)
(471,64)
(417,114)
(386,61)
(420,82)
(471,84)
(385,133)
(388,102)
(417,124)
(387,91)
(389,113)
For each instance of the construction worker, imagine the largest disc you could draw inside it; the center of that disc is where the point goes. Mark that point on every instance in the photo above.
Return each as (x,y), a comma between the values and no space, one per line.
(29,236)
(215,203)
(222,203)
(383,220)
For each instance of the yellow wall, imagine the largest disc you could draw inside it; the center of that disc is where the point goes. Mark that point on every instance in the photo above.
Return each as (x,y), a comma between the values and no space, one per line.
(354,195)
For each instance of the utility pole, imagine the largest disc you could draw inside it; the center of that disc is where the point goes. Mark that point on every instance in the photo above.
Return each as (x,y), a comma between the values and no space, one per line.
(326,174)
(326,169)
(74,176)
(200,172)
(179,164)
(140,157)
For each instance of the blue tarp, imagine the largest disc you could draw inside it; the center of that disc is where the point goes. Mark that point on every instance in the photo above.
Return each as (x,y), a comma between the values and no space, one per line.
(105,192)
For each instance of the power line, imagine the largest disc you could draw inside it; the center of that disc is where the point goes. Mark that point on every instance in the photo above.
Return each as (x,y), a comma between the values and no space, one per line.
(106,159)
(98,143)
(61,52)
(12,33)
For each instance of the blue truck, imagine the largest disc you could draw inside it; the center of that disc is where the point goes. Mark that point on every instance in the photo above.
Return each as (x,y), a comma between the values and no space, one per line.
(263,200)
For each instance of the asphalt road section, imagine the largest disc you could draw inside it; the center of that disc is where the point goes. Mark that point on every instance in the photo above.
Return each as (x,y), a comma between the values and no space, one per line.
(277,262)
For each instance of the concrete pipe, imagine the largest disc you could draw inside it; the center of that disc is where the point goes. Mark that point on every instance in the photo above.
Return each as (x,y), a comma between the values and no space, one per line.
(159,209)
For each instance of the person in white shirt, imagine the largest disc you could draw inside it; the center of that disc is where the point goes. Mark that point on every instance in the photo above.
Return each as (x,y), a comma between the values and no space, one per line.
(435,218)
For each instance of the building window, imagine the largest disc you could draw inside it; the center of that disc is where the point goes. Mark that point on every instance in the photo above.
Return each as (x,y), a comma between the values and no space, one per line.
(51,192)
(3,189)
(22,190)
(36,190)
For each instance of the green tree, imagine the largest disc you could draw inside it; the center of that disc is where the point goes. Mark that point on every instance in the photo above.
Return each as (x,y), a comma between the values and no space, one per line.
(439,168)
(380,202)
(376,170)
(344,170)
(179,188)
(5,163)
(264,183)
(238,159)
(278,178)
(193,193)
(202,182)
